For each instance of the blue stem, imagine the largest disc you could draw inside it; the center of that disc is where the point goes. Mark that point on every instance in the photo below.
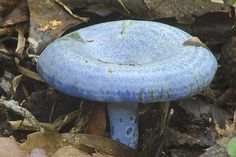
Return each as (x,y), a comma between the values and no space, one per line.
(124,123)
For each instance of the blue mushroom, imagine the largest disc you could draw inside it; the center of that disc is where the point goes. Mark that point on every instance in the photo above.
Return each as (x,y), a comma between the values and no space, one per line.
(124,63)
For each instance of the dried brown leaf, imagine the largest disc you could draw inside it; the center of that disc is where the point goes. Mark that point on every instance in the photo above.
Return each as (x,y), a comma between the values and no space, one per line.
(48,141)
(199,107)
(29,73)
(99,7)
(220,148)
(51,142)
(19,14)
(16,82)
(176,138)
(97,120)
(10,148)
(70,11)
(183,11)
(21,29)
(90,143)
(195,41)
(70,151)
(48,21)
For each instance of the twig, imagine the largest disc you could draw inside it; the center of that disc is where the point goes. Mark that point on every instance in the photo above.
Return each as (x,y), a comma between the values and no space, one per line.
(56,126)
(26,125)
(234,120)
(14,106)
(64,120)
(51,113)
(162,138)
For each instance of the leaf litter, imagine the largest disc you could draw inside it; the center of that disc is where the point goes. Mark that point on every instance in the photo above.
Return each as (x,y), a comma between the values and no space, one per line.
(200,126)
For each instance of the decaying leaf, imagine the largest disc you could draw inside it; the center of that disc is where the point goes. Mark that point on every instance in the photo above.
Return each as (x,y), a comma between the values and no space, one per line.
(10,148)
(99,7)
(207,26)
(48,141)
(219,149)
(48,21)
(49,105)
(75,3)
(51,142)
(70,151)
(70,11)
(16,82)
(14,12)
(90,143)
(21,29)
(29,73)
(199,107)
(195,41)
(97,120)
(183,11)
(176,138)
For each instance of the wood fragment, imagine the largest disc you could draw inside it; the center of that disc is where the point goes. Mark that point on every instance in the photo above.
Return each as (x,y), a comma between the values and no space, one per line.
(14,106)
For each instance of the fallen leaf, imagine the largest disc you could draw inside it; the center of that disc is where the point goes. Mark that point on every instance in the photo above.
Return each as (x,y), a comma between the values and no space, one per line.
(10,148)
(29,73)
(21,29)
(48,21)
(176,138)
(97,120)
(99,7)
(206,27)
(91,143)
(70,151)
(16,82)
(49,105)
(195,41)
(52,141)
(183,11)
(48,141)
(19,14)
(37,152)
(199,107)
(70,11)
(219,149)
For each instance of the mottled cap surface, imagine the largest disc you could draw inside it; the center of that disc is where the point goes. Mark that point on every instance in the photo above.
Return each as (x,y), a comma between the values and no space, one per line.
(127,61)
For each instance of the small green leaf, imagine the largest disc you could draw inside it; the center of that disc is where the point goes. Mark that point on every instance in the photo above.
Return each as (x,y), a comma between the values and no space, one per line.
(233,1)
(231,148)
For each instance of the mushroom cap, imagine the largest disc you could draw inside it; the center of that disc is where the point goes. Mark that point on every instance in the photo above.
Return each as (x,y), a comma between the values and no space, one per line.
(127,61)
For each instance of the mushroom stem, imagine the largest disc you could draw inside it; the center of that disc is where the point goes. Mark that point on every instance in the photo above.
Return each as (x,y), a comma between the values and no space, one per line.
(124,123)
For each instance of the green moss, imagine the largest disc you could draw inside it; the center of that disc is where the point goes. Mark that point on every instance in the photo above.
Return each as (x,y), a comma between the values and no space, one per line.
(231,147)
(76,36)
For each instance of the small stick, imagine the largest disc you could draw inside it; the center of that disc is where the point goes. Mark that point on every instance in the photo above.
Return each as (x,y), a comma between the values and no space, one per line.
(14,106)
(25,125)
(162,138)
